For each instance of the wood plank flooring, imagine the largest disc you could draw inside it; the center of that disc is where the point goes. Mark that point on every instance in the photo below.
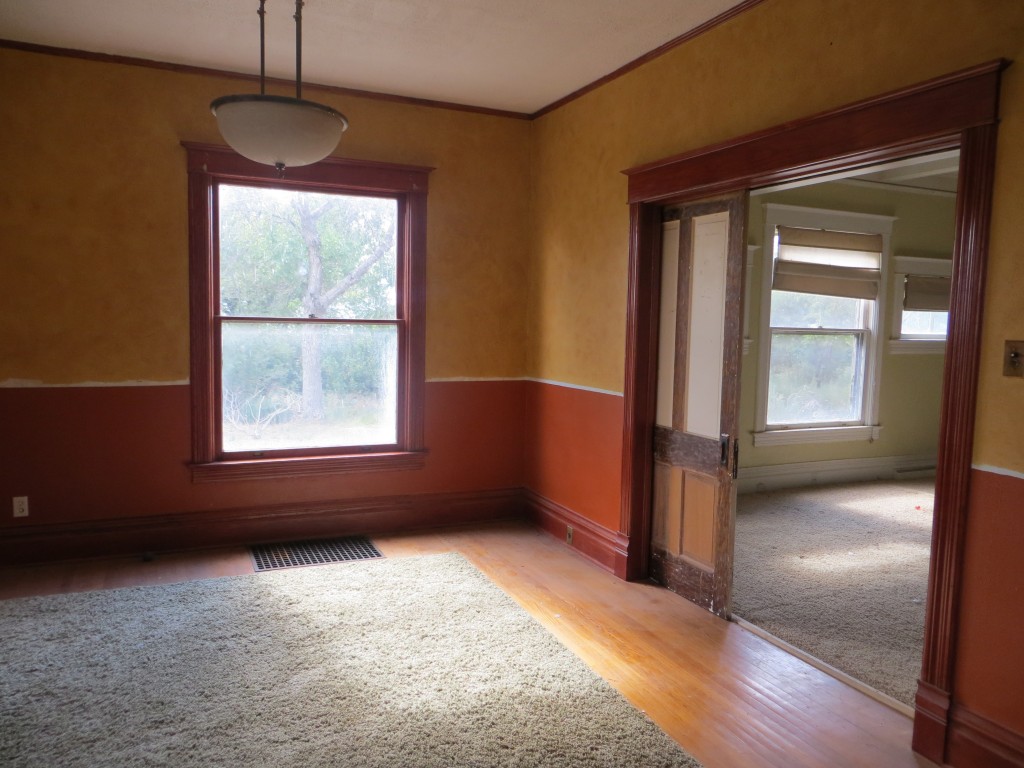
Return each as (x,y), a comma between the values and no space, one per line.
(727,696)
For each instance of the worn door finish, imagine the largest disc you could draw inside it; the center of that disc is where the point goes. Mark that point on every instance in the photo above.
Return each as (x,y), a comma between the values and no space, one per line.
(695,455)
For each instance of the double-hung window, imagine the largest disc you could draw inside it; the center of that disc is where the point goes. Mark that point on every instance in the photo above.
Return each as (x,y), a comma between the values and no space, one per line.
(920,313)
(819,361)
(307,316)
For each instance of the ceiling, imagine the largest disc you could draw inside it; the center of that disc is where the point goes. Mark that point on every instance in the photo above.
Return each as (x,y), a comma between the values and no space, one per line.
(514,55)
(934,173)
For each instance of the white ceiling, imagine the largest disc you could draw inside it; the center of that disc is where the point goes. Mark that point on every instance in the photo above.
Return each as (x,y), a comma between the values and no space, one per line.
(517,55)
(937,173)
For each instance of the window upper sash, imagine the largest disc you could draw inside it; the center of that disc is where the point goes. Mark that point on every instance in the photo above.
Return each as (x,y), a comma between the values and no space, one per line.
(826,262)
(929,294)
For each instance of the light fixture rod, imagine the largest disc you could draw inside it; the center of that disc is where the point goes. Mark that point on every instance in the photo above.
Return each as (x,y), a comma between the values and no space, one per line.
(298,48)
(263,48)
(280,131)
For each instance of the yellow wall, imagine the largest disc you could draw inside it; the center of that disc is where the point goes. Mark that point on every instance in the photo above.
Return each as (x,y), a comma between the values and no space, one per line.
(779,61)
(910,387)
(999,430)
(94,214)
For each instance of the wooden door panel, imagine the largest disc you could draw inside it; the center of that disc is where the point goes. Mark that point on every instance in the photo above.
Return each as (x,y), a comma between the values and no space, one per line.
(697,414)
(666,535)
(700,500)
(684,515)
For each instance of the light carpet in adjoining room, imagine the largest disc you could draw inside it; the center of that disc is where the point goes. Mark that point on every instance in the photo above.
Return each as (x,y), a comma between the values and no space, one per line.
(418,661)
(840,572)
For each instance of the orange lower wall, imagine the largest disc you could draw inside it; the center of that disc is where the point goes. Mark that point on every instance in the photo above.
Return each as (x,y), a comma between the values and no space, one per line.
(990,663)
(85,454)
(101,453)
(574,449)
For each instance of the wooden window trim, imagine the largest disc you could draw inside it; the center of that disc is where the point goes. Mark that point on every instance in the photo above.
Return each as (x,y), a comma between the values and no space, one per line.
(209,165)
(903,267)
(777,216)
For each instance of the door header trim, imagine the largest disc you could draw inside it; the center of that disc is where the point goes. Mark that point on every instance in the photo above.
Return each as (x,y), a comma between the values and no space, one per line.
(923,118)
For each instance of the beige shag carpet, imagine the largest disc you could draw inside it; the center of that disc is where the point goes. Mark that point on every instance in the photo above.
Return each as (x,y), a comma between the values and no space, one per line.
(840,572)
(407,662)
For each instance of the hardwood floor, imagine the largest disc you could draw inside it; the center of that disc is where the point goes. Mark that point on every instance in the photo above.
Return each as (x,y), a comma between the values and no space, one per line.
(727,696)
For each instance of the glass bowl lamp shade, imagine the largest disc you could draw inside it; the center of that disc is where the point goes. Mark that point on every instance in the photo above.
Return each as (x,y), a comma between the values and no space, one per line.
(278,130)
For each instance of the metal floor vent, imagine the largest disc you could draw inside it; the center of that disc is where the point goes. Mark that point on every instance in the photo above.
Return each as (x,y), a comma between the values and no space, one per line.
(268,557)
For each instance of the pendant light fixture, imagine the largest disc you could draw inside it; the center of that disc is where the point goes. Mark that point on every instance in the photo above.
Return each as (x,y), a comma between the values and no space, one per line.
(279,130)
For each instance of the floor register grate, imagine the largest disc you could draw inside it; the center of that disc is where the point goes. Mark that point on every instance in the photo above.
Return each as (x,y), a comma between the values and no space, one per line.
(293,554)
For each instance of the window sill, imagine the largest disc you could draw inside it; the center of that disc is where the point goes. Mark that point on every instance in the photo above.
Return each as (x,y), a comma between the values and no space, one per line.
(804,435)
(258,469)
(917,346)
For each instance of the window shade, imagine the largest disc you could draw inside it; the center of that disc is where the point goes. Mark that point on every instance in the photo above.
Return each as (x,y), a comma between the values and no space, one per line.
(830,239)
(827,262)
(926,293)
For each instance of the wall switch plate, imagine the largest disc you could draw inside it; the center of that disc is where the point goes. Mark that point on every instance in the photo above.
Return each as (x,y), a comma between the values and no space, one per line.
(20,506)
(1013,358)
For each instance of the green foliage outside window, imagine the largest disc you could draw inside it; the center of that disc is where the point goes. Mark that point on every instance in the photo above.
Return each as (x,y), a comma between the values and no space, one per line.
(816,372)
(312,268)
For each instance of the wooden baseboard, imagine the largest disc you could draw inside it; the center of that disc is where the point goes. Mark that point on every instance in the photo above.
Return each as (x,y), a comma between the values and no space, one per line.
(952,734)
(254,525)
(283,522)
(931,722)
(604,546)
(977,742)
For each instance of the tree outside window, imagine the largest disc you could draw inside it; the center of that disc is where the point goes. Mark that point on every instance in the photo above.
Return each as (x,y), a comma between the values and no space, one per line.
(307,319)
(817,359)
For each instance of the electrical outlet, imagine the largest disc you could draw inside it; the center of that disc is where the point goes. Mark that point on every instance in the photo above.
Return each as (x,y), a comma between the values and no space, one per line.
(21,506)
(568,534)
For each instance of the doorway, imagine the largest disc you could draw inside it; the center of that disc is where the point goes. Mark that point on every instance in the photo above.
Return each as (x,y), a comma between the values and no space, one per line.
(833,530)
(958,111)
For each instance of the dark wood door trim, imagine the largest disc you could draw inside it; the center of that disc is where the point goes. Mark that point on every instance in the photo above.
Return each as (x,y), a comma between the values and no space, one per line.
(643,303)
(915,120)
(956,439)
(959,110)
